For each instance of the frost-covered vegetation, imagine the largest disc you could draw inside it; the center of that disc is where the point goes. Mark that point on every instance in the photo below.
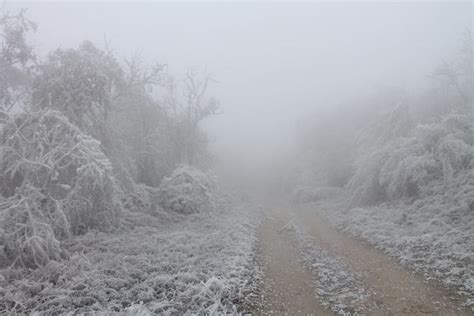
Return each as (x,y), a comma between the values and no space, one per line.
(79,133)
(337,287)
(405,176)
(103,207)
(164,264)
(54,180)
(187,191)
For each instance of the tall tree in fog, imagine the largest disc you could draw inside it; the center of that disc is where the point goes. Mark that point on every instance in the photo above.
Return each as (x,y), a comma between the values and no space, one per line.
(16,59)
(188,110)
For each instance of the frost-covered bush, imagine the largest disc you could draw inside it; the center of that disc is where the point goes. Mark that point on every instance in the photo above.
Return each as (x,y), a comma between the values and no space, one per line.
(139,198)
(375,147)
(29,226)
(187,191)
(393,124)
(364,184)
(406,169)
(407,165)
(53,180)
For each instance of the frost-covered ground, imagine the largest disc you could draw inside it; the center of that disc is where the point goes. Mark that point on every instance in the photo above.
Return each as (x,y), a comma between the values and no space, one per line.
(337,287)
(433,235)
(167,264)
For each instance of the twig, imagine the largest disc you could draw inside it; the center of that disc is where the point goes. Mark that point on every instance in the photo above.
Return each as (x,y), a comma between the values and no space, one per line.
(287,225)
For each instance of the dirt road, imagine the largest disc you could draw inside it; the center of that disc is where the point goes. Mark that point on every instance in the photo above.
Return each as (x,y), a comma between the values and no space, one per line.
(392,289)
(287,284)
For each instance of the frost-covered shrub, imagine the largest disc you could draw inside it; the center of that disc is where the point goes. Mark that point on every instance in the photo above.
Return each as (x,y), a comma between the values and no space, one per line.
(53,180)
(139,198)
(406,169)
(407,165)
(394,124)
(376,143)
(364,184)
(29,225)
(187,191)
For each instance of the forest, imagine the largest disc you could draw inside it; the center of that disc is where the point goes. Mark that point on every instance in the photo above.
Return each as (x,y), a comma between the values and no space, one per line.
(115,197)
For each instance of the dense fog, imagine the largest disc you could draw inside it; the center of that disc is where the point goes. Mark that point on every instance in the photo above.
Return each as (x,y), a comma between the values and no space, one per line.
(274,63)
(209,158)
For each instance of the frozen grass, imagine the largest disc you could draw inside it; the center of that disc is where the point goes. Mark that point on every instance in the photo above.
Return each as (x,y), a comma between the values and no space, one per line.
(337,287)
(168,264)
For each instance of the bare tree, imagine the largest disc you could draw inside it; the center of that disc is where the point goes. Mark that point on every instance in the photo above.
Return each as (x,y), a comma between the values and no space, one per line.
(188,111)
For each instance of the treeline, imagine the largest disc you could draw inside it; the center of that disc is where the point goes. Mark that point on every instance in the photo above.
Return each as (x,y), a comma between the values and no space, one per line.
(394,145)
(81,133)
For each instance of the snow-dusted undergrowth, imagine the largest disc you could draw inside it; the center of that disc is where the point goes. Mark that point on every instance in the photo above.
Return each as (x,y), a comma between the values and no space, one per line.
(54,180)
(337,287)
(187,190)
(168,264)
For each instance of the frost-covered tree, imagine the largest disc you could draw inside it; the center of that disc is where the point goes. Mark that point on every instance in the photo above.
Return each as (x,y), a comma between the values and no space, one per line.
(81,84)
(455,77)
(16,59)
(54,180)
(139,124)
(54,176)
(115,102)
(189,105)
